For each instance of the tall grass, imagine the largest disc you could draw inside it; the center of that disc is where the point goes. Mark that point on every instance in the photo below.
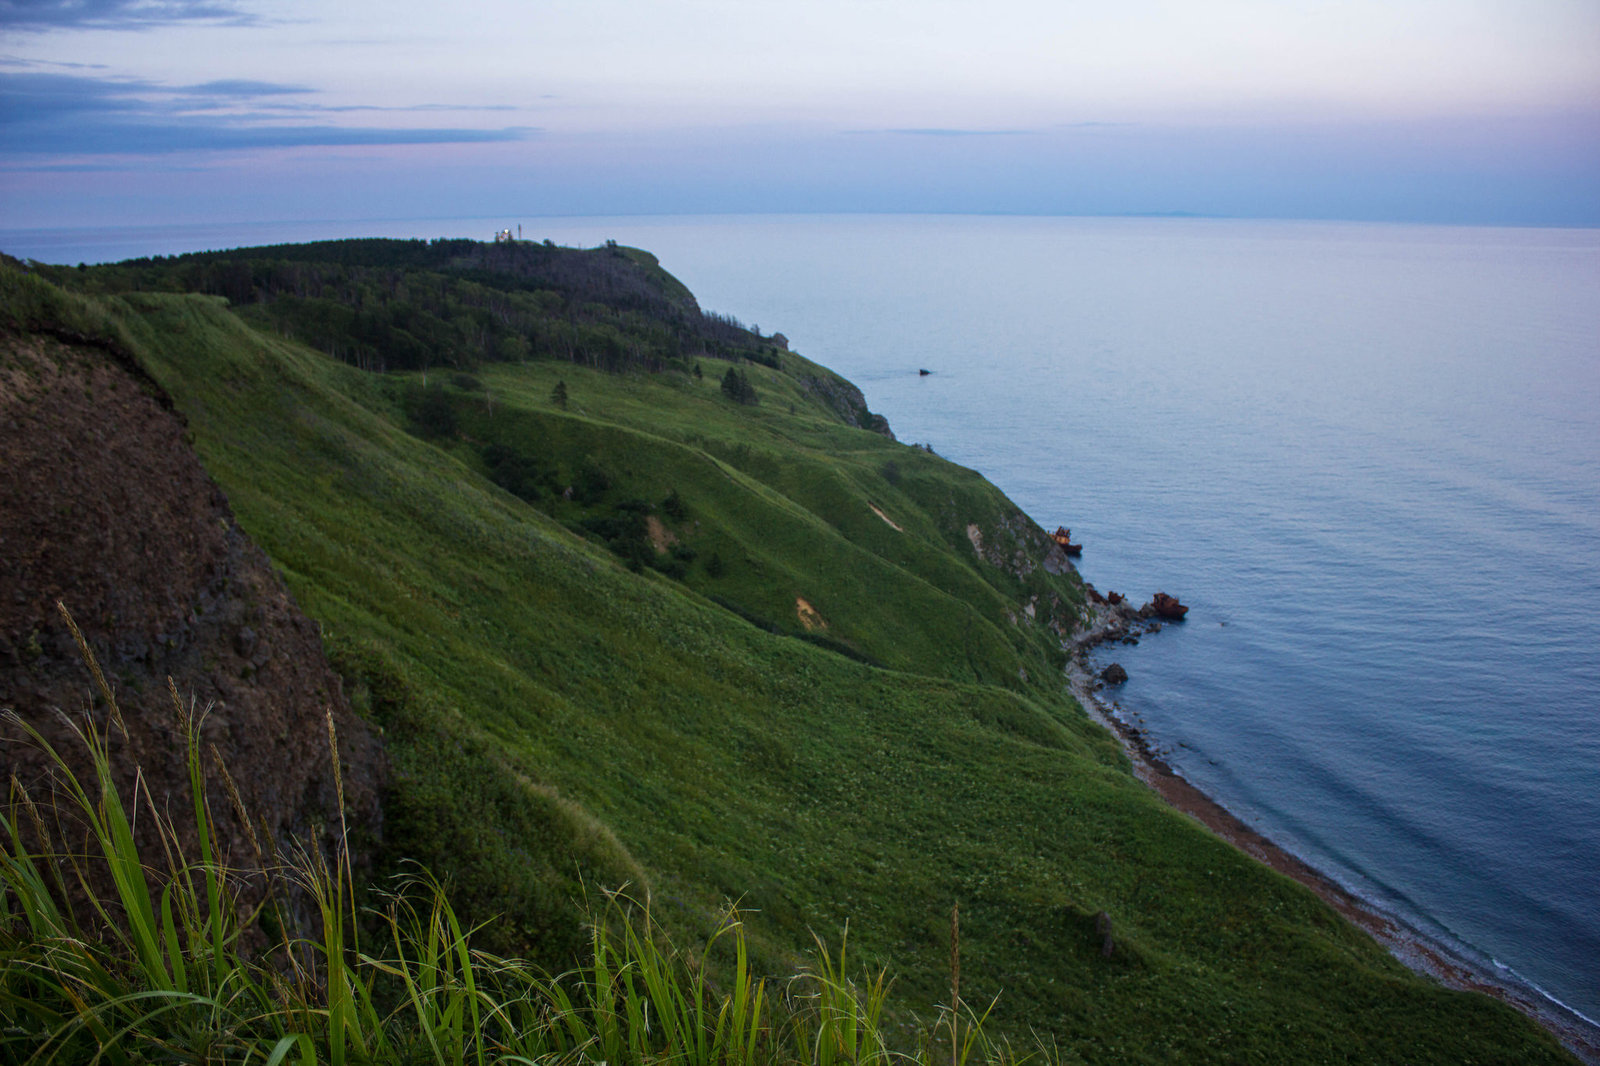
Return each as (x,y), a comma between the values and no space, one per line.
(111,955)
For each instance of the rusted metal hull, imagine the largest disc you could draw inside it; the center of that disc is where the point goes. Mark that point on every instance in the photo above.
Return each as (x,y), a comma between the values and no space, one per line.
(1168,607)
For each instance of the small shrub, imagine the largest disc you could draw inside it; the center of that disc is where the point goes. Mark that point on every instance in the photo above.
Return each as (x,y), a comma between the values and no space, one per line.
(431,413)
(591,483)
(516,473)
(673,506)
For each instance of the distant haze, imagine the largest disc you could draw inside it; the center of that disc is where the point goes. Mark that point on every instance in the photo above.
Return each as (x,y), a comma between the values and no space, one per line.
(142,112)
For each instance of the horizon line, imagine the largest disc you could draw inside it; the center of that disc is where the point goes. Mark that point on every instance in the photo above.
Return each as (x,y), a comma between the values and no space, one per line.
(1174,215)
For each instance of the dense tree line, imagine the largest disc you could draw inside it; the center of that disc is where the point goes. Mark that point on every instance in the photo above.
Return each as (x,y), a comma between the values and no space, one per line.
(414,305)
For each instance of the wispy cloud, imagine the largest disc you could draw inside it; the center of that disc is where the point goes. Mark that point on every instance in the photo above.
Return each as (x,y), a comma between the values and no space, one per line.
(106,138)
(335,109)
(40,15)
(45,113)
(959,131)
(35,99)
(33,64)
(241,87)
(943,131)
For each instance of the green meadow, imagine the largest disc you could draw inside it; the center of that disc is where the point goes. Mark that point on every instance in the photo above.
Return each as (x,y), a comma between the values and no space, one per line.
(622,629)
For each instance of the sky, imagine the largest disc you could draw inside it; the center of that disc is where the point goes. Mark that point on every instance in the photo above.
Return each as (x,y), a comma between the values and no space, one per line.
(165,112)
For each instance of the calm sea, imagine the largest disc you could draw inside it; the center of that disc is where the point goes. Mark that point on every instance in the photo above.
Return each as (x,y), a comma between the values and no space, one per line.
(1368,456)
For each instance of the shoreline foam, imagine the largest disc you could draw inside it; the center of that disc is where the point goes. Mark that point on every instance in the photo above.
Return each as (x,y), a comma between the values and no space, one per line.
(1418,952)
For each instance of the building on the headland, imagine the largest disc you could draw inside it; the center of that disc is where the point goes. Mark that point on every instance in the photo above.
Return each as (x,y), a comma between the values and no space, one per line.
(504,236)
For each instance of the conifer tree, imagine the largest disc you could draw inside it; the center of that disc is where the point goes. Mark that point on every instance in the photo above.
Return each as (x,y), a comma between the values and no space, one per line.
(736,387)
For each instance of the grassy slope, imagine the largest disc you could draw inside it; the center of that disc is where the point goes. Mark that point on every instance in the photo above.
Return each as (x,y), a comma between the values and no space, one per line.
(787,501)
(555,717)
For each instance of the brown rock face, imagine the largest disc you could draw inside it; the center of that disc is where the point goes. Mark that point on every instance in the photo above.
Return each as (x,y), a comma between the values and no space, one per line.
(105,507)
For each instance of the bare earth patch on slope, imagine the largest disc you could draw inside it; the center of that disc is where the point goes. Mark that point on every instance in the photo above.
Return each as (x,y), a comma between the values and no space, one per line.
(661,538)
(809,616)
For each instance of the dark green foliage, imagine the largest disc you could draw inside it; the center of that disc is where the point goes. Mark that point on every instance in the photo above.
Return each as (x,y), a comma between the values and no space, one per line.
(591,482)
(736,387)
(890,472)
(766,625)
(558,395)
(518,474)
(622,528)
(838,648)
(432,414)
(673,506)
(675,561)
(715,567)
(398,305)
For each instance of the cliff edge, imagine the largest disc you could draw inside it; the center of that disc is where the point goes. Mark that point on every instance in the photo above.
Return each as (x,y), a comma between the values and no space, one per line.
(105,507)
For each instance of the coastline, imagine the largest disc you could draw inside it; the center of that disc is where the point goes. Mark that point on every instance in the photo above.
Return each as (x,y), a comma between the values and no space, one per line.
(1417,952)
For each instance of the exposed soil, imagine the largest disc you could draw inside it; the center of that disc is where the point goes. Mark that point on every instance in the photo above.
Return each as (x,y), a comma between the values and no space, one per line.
(104,506)
(889,521)
(661,538)
(809,616)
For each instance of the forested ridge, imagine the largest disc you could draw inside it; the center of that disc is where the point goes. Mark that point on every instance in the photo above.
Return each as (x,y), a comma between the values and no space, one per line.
(388,305)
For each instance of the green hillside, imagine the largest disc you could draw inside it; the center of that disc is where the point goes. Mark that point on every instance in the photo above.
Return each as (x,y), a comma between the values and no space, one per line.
(618,625)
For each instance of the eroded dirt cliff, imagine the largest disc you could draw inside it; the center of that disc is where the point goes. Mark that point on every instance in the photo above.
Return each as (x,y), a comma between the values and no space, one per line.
(104,507)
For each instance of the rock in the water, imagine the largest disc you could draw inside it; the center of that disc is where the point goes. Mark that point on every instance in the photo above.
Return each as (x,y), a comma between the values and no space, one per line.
(1114,674)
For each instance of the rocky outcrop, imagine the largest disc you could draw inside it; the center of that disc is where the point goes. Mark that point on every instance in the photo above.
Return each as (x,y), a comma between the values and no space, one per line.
(104,507)
(1018,546)
(1112,623)
(847,402)
(1102,929)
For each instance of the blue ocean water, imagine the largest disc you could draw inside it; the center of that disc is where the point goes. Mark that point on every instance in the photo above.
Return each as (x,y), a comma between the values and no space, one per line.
(1368,456)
